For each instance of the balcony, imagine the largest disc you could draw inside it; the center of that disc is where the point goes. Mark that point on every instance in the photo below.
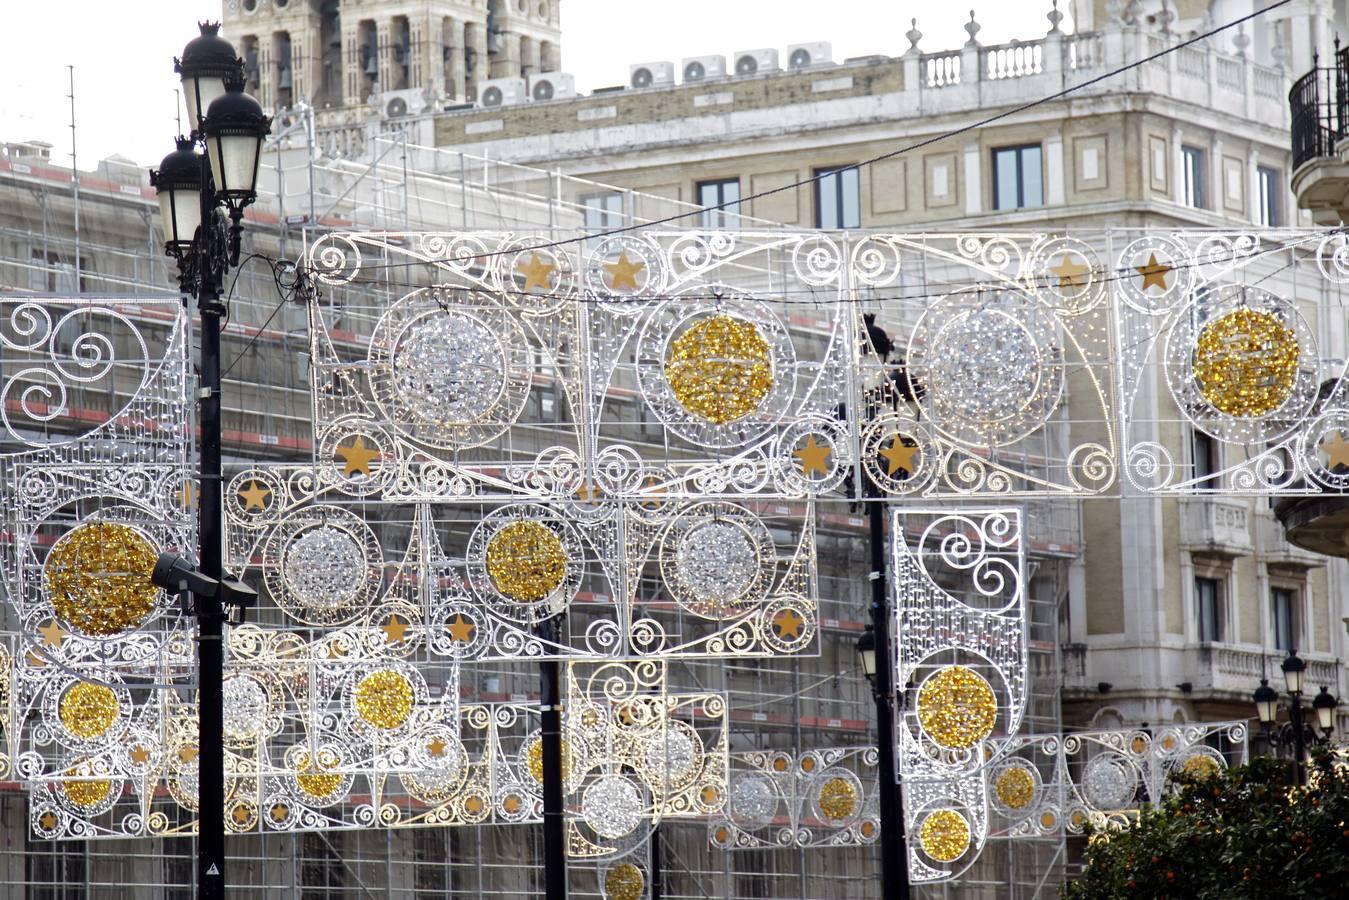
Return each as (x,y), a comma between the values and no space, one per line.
(1275,549)
(1216,527)
(1319,107)
(1237,669)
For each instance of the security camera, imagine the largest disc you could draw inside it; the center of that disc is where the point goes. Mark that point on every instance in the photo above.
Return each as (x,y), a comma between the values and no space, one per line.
(174,573)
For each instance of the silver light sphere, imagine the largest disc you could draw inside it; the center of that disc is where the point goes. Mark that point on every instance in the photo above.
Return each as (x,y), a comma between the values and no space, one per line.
(325,568)
(449,370)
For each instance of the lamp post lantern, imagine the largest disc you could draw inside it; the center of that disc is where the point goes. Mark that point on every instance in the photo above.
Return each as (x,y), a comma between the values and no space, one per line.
(204,240)
(1296,735)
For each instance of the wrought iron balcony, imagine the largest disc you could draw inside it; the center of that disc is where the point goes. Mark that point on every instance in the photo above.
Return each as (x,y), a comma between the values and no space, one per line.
(1319,108)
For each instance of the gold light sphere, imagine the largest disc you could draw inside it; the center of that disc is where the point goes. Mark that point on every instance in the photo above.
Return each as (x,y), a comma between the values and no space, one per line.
(98,578)
(1200,765)
(534,758)
(956,707)
(944,835)
(316,780)
(1246,363)
(1015,787)
(838,799)
(86,794)
(526,561)
(384,698)
(624,882)
(88,710)
(720,369)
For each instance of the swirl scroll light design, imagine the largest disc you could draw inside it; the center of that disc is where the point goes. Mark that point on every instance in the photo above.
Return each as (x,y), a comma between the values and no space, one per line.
(811,798)
(960,621)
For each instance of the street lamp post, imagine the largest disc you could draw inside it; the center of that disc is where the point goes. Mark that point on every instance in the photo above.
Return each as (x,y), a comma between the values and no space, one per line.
(1297,734)
(873,648)
(231,126)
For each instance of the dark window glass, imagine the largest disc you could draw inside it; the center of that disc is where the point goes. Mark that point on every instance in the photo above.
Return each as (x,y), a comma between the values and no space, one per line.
(1206,592)
(601,212)
(715,193)
(1268,185)
(1284,600)
(1206,463)
(837,201)
(1017,178)
(1194,176)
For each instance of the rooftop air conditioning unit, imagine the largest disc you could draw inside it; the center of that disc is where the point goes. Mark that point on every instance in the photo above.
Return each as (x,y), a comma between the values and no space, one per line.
(551,86)
(501,92)
(752,62)
(803,56)
(701,68)
(396,104)
(652,74)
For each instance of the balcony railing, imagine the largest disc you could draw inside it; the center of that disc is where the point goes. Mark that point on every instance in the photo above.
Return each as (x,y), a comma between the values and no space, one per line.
(1319,107)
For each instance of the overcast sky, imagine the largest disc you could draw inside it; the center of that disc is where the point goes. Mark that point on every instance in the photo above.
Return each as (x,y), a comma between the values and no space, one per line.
(123,52)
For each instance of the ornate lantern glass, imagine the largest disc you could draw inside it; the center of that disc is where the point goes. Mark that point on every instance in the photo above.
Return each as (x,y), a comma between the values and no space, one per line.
(1293,670)
(207,61)
(234,128)
(177,182)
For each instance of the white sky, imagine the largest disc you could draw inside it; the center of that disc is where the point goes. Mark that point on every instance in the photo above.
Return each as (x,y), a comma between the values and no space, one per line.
(123,52)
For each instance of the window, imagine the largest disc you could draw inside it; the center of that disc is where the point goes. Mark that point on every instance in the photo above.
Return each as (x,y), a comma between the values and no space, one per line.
(1207,593)
(1017,180)
(1193,174)
(1206,464)
(1268,188)
(1283,619)
(837,200)
(601,212)
(716,193)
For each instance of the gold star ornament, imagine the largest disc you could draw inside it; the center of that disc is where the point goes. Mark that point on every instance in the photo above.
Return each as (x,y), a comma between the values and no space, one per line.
(1070,273)
(538,274)
(52,634)
(436,747)
(623,272)
(814,457)
(788,624)
(1154,273)
(461,630)
(395,630)
(901,455)
(1333,445)
(48,820)
(357,458)
(139,755)
(254,496)
(240,814)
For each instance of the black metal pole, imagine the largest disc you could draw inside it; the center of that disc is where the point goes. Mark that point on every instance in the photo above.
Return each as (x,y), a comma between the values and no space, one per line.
(657,879)
(894,858)
(554,822)
(210,613)
(1299,739)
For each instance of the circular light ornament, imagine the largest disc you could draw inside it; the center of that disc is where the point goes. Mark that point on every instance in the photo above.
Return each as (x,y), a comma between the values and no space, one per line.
(956,707)
(992,363)
(1201,765)
(1246,363)
(713,559)
(753,800)
(318,778)
(88,710)
(526,561)
(245,708)
(87,793)
(448,369)
(441,764)
(1015,787)
(672,755)
(98,577)
(1241,363)
(944,835)
(1109,783)
(325,567)
(624,881)
(384,699)
(611,806)
(720,369)
(838,799)
(533,757)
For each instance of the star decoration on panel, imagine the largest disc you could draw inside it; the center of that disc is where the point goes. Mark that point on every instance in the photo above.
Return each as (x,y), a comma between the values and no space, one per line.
(357,456)
(1153,273)
(814,456)
(538,274)
(622,272)
(255,496)
(902,455)
(1071,271)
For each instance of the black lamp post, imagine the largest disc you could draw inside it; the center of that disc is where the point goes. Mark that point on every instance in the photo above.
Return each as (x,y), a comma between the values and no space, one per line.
(1296,735)
(196,195)
(873,648)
